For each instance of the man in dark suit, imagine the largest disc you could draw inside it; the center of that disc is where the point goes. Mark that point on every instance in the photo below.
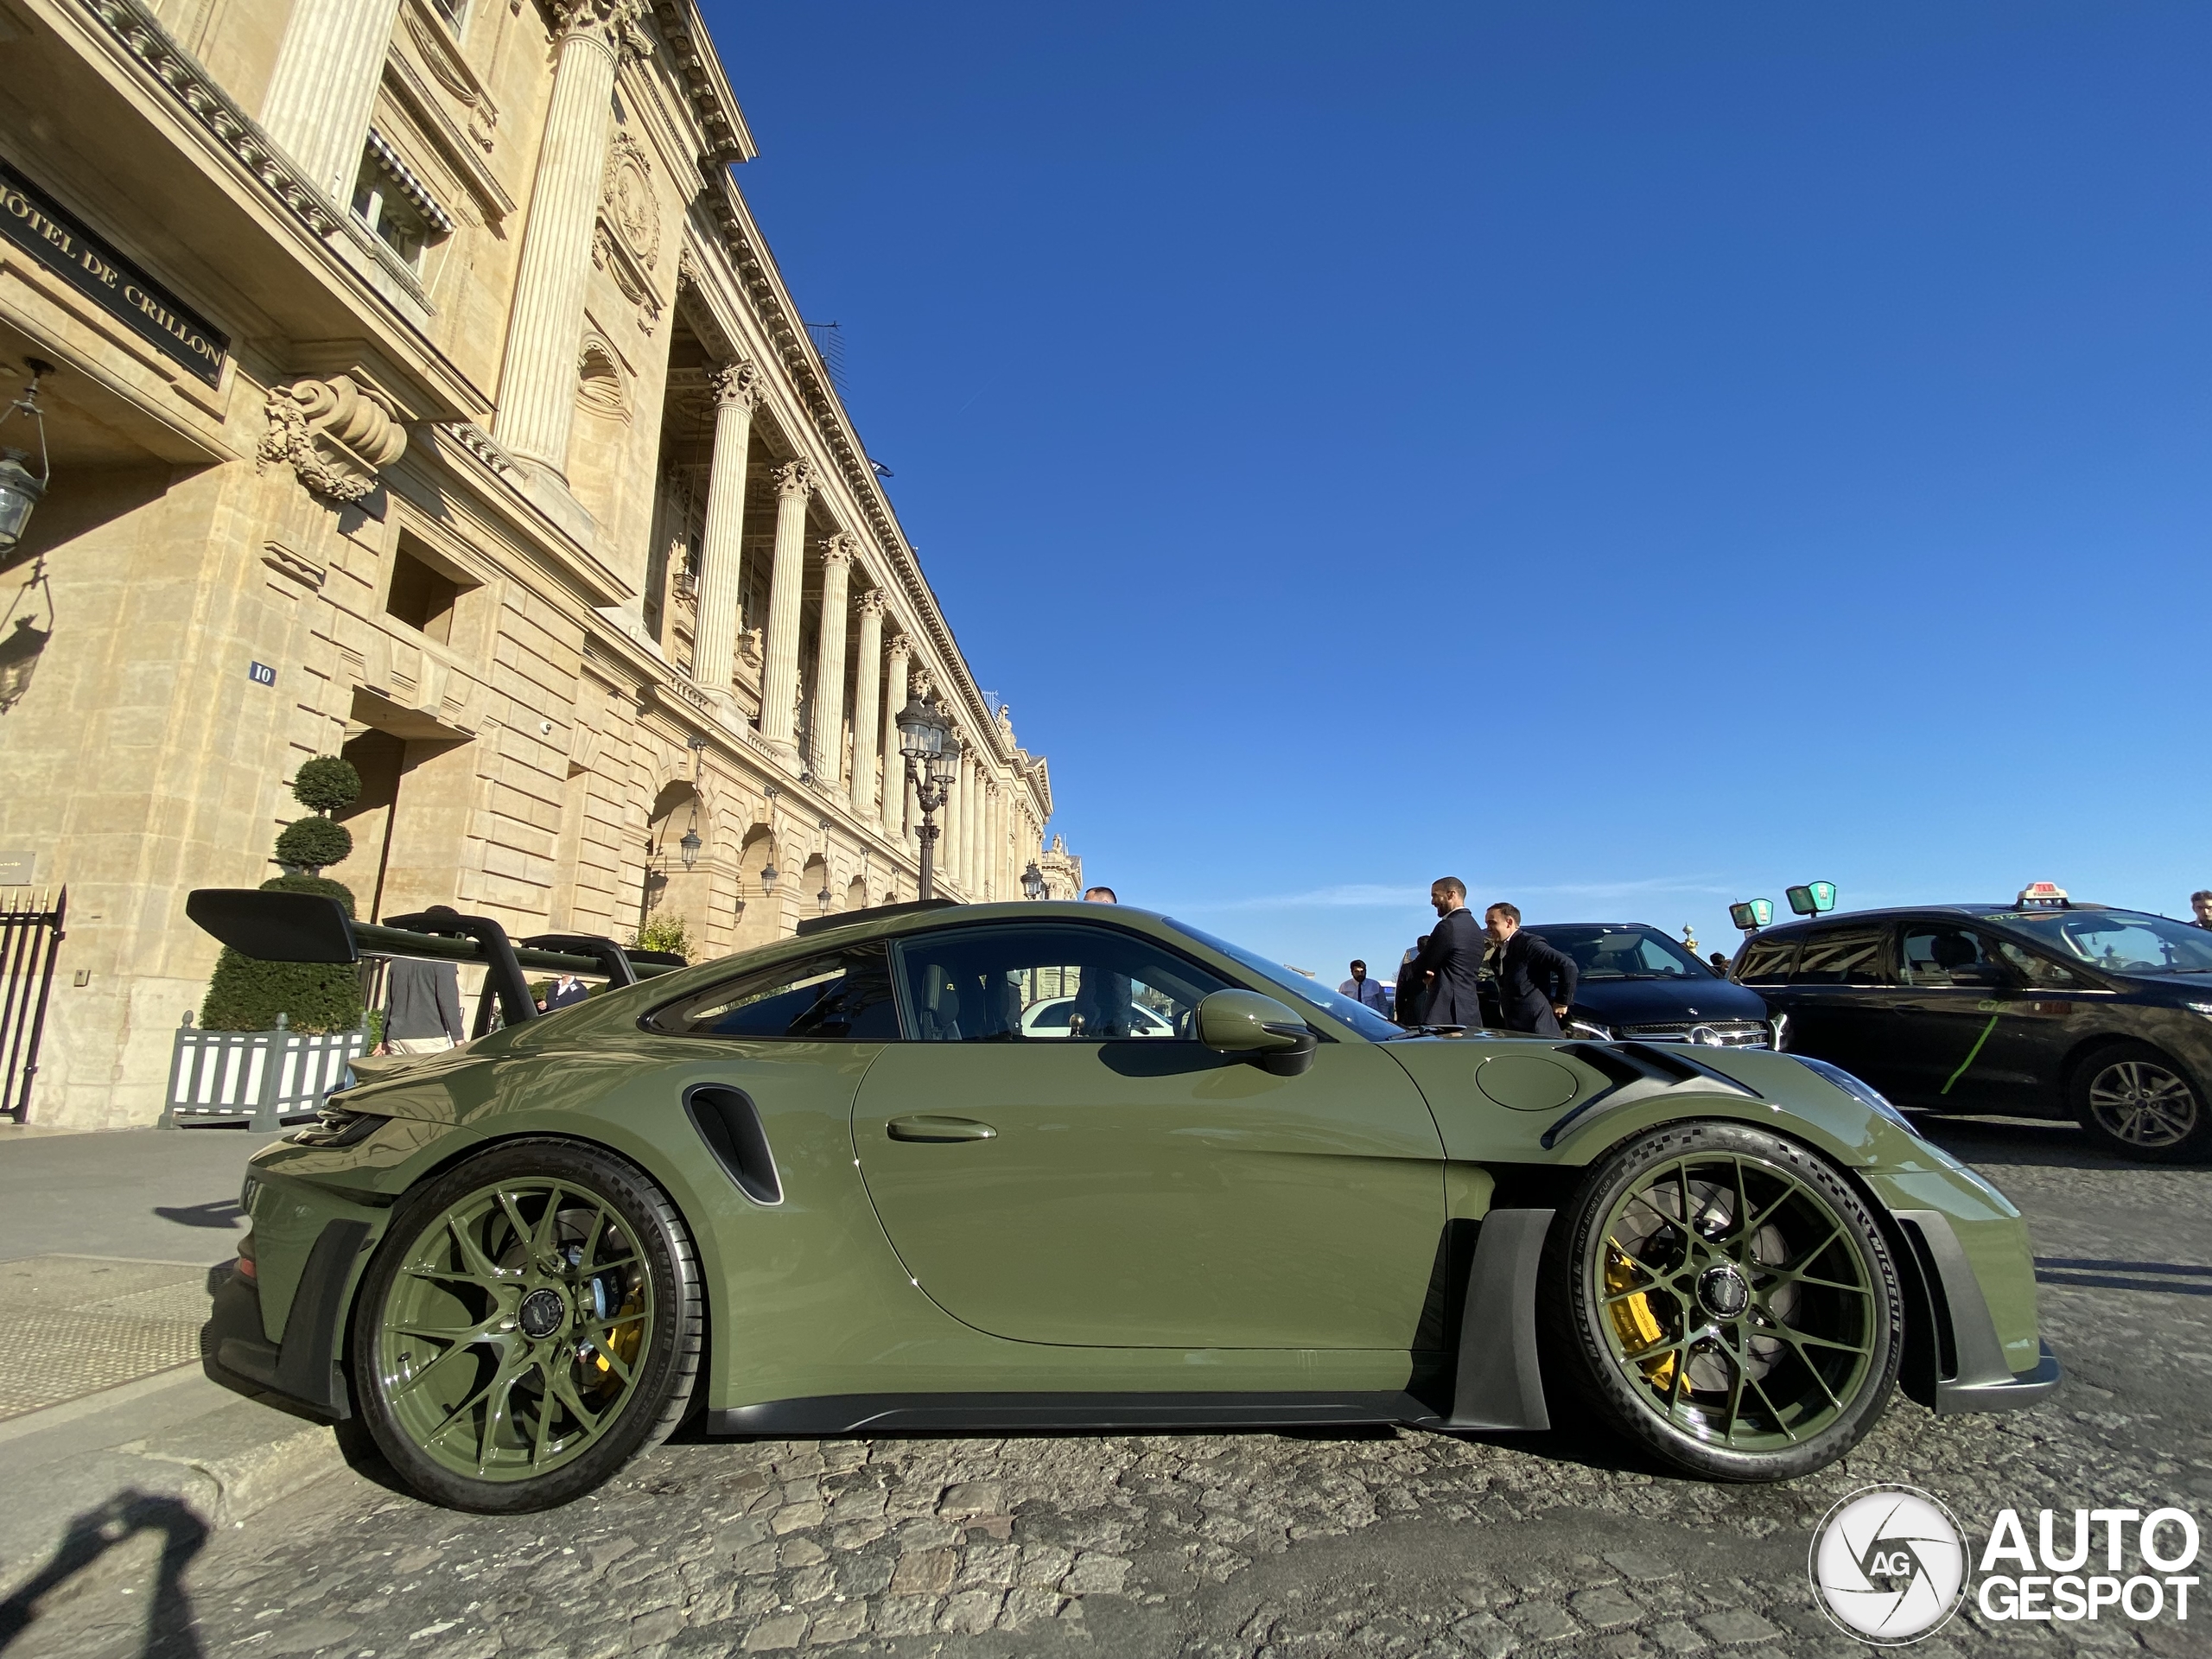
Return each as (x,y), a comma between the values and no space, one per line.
(564,992)
(1451,959)
(1535,983)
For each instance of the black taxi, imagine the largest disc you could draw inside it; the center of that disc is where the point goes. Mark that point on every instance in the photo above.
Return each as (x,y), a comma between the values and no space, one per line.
(2044,1007)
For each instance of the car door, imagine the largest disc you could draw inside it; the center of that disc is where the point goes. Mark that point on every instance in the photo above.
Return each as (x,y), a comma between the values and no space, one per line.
(1968,1021)
(2022,1027)
(1838,1000)
(1076,1184)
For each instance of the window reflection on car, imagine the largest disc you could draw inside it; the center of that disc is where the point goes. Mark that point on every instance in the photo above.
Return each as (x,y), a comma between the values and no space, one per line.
(1626,953)
(2121,942)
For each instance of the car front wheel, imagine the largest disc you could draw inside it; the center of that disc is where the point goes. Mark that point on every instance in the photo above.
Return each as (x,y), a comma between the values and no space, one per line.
(2136,1101)
(1722,1296)
(531,1321)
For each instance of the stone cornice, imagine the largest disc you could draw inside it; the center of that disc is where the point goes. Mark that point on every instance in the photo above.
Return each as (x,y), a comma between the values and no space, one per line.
(693,61)
(142,35)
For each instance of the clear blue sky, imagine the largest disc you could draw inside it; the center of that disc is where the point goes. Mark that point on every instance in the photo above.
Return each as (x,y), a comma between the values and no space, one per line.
(1630,455)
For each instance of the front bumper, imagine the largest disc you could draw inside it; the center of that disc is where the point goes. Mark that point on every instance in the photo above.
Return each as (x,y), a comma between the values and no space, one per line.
(2017,1393)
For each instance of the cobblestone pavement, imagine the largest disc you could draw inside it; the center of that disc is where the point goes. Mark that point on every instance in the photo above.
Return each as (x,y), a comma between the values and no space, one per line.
(1245,1544)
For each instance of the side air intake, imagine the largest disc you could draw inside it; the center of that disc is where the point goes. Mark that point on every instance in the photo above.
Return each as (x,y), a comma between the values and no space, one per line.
(729,1124)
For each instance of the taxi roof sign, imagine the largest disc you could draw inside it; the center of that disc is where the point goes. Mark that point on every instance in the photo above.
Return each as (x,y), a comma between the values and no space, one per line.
(2043,892)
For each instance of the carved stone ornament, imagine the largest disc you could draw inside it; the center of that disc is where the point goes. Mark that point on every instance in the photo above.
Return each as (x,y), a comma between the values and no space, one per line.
(627,195)
(453,72)
(618,22)
(795,477)
(736,383)
(899,646)
(335,434)
(629,277)
(838,549)
(870,601)
(748,647)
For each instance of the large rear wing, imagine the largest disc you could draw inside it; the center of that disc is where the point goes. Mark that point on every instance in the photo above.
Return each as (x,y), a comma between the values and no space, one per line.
(314,927)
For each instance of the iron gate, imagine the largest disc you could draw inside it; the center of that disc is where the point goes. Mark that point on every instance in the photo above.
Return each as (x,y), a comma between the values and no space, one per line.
(30,938)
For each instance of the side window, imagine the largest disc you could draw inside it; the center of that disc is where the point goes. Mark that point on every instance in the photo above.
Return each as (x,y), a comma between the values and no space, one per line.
(1939,953)
(841,996)
(1850,955)
(2036,968)
(1768,962)
(1048,984)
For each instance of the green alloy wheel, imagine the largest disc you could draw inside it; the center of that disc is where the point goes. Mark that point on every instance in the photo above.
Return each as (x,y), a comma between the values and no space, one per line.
(531,1320)
(2140,1104)
(1722,1296)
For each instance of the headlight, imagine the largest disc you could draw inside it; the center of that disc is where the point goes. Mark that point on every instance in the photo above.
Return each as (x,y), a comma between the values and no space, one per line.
(1863,1092)
(336,1126)
(1588,1028)
(2204,1008)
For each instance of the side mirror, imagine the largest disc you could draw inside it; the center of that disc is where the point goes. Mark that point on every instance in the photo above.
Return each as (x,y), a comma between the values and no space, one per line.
(1257,1028)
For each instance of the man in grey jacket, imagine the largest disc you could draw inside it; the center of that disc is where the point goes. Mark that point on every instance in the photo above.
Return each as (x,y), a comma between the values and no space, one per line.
(423,1008)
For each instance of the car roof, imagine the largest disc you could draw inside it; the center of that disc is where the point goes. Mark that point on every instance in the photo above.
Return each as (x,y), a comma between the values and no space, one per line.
(1901,912)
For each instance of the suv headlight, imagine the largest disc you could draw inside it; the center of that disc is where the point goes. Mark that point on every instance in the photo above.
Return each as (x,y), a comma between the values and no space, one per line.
(1860,1091)
(1578,1027)
(2204,1008)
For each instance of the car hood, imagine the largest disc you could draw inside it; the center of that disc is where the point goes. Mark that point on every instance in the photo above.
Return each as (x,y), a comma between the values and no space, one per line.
(1656,1001)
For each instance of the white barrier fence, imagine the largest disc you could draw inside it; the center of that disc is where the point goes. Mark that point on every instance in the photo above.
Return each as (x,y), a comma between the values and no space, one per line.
(258,1077)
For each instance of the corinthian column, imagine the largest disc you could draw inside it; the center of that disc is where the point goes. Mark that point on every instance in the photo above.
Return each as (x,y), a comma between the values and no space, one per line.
(971,811)
(867,697)
(898,819)
(538,390)
(737,393)
(786,574)
(325,86)
(829,663)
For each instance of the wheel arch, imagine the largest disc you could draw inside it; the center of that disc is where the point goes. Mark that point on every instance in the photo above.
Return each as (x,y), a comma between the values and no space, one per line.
(343,1359)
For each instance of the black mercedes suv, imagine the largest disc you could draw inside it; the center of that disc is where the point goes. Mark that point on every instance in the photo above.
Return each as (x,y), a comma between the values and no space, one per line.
(2052,1009)
(1634,983)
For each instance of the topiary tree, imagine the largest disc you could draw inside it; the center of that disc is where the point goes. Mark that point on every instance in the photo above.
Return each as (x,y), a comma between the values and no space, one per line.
(310,843)
(246,994)
(326,783)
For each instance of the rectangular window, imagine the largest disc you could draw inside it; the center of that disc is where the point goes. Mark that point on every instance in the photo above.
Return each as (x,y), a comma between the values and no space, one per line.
(1769,961)
(839,996)
(395,205)
(421,595)
(1941,954)
(1845,956)
(1048,984)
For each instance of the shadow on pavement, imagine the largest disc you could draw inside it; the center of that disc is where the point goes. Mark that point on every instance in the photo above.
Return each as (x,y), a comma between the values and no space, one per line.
(2022,1141)
(170,1632)
(219,1212)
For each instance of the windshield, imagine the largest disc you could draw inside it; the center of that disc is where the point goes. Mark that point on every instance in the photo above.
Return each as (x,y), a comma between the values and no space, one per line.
(2118,941)
(1361,1017)
(1623,952)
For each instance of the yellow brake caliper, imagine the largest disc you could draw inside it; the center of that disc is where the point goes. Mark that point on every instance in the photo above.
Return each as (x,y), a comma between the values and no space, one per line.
(1633,1320)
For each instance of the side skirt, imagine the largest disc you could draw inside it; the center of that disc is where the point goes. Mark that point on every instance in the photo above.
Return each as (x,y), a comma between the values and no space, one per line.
(1148,1412)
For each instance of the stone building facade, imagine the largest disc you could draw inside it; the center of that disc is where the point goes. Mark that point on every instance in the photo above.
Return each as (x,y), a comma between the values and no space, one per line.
(426,392)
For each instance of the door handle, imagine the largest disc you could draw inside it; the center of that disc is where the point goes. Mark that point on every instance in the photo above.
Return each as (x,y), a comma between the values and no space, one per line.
(925,1126)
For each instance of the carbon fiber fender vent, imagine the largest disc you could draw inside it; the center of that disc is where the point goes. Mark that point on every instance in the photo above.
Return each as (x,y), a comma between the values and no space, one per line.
(730,1125)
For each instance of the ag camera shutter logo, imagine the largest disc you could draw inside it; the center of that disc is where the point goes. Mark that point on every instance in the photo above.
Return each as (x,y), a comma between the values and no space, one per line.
(1889,1565)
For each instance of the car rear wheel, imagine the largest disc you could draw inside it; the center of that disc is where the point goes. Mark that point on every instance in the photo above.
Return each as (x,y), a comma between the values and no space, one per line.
(1722,1296)
(531,1322)
(2135,1101)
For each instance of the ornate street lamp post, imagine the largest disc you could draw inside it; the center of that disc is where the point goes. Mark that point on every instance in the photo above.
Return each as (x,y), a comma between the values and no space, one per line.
(1033,881)
(932,762)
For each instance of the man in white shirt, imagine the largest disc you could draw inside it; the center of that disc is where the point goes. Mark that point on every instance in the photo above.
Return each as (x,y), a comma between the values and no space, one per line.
(1361,988)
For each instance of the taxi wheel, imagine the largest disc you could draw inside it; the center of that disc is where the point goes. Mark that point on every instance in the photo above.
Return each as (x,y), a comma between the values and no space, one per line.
(2142,1105)
(532,1320)
(1722,1297)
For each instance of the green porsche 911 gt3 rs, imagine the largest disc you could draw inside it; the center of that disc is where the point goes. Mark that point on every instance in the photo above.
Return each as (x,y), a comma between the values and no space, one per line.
(853,1182)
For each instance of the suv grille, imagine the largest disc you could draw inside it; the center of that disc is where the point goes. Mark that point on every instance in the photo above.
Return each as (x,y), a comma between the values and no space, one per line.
(1734,1034)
